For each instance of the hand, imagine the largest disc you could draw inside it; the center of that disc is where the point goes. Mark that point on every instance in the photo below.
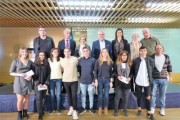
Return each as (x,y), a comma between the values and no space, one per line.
(96,83)
(93,84)
(40,85)
(29,79)
(119,77)
(128,79)
(23,75)
(110,84)
(44,86)
(170,79)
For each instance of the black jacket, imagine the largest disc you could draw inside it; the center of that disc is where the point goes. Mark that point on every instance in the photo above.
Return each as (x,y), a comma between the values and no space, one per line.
(61,46)
(149,64)
(115,53)
(49,45)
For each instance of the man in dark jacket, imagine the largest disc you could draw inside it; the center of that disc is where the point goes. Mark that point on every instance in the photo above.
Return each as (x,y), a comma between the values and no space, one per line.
(143,67)
(67,42)
(43,43)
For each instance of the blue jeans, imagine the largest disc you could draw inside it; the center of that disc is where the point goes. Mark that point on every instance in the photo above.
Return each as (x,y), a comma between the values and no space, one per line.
(55,83)
(162,85)
(103,83)
(84,88)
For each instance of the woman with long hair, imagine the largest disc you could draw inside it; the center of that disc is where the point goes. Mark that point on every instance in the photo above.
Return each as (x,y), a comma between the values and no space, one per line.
(79,48)
(122,73)
(55,80)
(22,86)
(103,79)
(134,46)
(119,44)
(41,79)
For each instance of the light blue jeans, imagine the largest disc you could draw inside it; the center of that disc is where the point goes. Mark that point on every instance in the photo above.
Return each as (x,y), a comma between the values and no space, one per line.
(162,85)
(84,88)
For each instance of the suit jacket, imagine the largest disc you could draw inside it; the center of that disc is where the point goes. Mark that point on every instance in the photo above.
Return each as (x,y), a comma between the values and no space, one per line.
(77,50)
(61,46)
(96,48)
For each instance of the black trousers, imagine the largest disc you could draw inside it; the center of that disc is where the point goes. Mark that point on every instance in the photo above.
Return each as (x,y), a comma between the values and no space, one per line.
(40,99)
(123,94)
(147,91)
(71,91)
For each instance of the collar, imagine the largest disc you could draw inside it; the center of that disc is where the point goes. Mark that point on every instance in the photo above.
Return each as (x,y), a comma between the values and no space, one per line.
(101,41)
(85,58)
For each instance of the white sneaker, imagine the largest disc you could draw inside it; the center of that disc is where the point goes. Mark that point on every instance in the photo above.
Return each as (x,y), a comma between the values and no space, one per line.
(75,117)
(152,110)
(70,112)
(162,112)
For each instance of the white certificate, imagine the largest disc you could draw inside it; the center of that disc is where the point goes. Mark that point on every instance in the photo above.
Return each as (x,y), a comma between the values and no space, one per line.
(42,88)
(124,80)
(29,74)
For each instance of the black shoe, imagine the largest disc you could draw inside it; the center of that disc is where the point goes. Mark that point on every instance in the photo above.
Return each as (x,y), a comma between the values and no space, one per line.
(58,112)
(92,111)
(115,112)
(40,117)
(25,115)
(125,113)
(19,117)
(82,111)
(150,116)
(139,113)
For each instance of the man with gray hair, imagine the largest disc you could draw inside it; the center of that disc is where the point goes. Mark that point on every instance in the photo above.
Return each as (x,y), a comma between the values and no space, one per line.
(101,43)
(67,42)
(149,42)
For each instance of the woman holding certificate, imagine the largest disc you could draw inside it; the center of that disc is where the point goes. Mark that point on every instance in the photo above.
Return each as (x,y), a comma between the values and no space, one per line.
(41,79)
(22,86)
(122,72)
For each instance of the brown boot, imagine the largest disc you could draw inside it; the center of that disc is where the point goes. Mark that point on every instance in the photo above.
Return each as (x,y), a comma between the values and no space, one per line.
(105,111)
(100,111)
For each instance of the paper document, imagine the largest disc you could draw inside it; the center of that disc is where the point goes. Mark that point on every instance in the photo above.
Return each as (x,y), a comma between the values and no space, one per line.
(29,74)
(111,90)
(90,88)
(124,80)
(42,88)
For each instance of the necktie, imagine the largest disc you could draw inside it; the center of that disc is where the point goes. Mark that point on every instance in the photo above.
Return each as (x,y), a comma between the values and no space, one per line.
(67,43)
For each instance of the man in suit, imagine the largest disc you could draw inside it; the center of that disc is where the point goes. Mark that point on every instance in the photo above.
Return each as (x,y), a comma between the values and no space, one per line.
(99,44)
(67,42)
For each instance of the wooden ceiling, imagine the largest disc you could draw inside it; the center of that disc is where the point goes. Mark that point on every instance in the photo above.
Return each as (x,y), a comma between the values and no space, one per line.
(90,13)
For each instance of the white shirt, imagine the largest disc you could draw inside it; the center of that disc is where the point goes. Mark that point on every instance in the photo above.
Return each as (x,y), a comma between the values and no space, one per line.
(102,44)
(81,50)
(159,62)
(142,76)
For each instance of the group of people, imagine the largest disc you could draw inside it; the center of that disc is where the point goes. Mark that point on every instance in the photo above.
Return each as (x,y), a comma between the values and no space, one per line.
(125,66)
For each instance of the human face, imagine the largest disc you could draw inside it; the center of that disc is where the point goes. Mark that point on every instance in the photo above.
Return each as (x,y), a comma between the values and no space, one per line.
(86,53)
(104,53)
(135,37)
(41,56)
(159,49)
(143,53)
(101,35)
(124,57)
(42,31)
(82,41)
(66,34)
(24,54)
(67,53)
(55,53)
(146,34)
(119,34)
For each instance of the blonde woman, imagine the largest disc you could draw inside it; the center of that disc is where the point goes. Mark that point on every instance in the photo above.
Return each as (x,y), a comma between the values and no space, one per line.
(22,86)
(103,79)
(134,46)
(122,70)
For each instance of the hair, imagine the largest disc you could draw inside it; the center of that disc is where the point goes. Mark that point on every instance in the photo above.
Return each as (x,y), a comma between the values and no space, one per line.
(109,60)
(145,29)
(82,37)
(66,30)
(100,31)
(161,46)
(86,48)
(20,52)
(67,49)
(51,55)
(119,58)
(135,33)
(41,27)
(38,61)
(117,31)
(142,47)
